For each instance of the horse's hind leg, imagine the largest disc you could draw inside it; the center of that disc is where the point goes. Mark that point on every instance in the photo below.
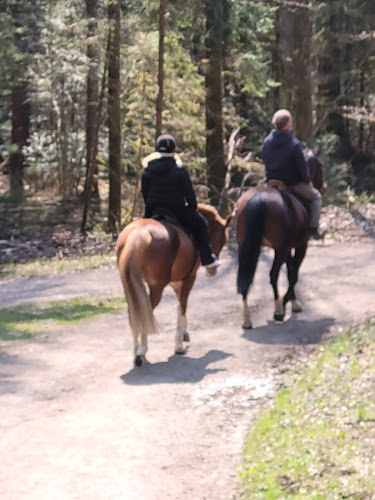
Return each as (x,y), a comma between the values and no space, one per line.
(280,258)
(246,313)
(293,265)
(141,345)
(182,290)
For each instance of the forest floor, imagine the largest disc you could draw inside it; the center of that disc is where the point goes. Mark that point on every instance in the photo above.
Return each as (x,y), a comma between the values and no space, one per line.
(45,228)
(78,421)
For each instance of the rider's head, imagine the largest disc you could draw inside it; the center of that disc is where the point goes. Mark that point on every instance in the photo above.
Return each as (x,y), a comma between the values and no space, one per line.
(165,144)
(282,120)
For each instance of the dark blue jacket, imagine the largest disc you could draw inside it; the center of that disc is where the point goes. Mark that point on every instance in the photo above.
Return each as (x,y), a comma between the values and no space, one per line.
(166,184)
(284,160)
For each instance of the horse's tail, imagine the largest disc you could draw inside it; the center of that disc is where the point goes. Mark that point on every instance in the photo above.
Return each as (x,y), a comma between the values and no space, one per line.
(249,250)
(130,259)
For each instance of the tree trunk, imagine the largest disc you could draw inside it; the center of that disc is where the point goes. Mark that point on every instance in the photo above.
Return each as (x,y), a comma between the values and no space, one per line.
(20,135)
(66,174)
(282,67)
(362,103)
(216,167)
(86,198)
(92,112)
(160,98)
(302,72)
(114,125)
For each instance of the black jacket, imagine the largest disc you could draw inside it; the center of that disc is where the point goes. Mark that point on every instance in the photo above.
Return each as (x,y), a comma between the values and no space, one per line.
(284,160)
(166,183)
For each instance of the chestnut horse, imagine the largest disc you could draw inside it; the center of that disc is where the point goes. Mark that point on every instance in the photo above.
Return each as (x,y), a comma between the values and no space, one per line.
(159,253)
(274,217)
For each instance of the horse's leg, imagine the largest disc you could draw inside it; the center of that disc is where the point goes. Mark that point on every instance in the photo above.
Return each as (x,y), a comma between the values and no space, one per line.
(293,264)
(280,257)
(182,290)
(246,313)
(142,347)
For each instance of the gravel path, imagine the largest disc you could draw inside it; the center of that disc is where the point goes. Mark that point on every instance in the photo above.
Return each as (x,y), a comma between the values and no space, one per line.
(79,422)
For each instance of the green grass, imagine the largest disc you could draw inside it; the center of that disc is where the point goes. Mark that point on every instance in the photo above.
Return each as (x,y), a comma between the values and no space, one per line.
(318,440)
(43,267)
(29,320)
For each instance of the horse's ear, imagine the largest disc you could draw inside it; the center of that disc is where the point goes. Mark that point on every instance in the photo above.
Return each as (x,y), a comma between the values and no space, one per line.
(228,220)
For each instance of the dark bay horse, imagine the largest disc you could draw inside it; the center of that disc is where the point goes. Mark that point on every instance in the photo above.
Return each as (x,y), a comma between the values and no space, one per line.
(156,254)
(273,217)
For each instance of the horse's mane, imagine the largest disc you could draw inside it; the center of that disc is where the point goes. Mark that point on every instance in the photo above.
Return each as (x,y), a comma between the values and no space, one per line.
(211,214)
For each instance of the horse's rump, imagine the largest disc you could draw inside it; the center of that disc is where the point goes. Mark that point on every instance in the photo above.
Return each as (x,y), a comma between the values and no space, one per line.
(169,254)
(132,252)
(284,217)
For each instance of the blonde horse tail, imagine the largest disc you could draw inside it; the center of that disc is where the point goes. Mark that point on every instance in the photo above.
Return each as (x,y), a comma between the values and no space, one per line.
(141,317)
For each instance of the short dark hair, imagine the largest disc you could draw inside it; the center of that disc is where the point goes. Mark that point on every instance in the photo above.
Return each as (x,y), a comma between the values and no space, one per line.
(165,143)
(281,118)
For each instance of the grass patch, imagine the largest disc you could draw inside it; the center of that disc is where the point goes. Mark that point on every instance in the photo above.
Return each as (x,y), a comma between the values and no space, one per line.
(44,266)
(318,440)
(29,320)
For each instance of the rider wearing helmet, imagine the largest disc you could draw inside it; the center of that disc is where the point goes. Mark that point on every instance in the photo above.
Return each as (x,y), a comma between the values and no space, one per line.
(166,185)
(284,160)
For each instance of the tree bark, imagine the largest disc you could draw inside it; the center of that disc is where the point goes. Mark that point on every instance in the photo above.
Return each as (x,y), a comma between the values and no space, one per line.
(114,125)
(86,198)
(20,135)
(92,112)
(282,67)
(216,167)
(362,103)
(302,73)
(160,97)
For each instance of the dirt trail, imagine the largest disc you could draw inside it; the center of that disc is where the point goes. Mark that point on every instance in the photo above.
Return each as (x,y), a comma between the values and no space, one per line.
(79,422)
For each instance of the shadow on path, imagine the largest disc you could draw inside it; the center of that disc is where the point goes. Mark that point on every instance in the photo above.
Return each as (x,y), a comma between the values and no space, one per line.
(291,332)
(12,367)
(177,369)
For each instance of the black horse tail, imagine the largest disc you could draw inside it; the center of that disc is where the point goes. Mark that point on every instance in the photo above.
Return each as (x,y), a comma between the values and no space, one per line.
(249,250)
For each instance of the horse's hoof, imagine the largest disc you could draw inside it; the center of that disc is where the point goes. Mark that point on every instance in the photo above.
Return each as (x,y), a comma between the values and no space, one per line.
(247,326)
(139,360)
(296,307)
(279,318)
(186,337)
(181,351)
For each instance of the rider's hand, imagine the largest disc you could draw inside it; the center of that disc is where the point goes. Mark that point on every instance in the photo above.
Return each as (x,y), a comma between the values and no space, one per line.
(311,184)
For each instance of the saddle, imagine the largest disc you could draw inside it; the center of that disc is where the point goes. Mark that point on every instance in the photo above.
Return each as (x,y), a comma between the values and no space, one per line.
(286,195)
(167,216)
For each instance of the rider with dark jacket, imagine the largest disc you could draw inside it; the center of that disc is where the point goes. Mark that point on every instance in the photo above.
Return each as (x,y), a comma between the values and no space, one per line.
(284,160)
(166,184)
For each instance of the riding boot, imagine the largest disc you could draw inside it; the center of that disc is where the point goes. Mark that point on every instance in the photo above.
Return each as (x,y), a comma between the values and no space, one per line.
(314,233)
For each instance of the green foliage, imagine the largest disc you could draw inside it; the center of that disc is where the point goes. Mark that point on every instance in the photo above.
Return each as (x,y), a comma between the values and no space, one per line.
(336,173)
(28,320)
(344,47)
(19,32)
(252,26)
(183,98)
(56,265)
(45,42)
(248,78)
(57,143)
(315,442)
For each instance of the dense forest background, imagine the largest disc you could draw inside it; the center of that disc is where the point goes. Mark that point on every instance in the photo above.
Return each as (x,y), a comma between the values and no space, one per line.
(87,85)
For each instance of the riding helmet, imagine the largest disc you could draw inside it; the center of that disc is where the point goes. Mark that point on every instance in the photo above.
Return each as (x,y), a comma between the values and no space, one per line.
(165,143)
